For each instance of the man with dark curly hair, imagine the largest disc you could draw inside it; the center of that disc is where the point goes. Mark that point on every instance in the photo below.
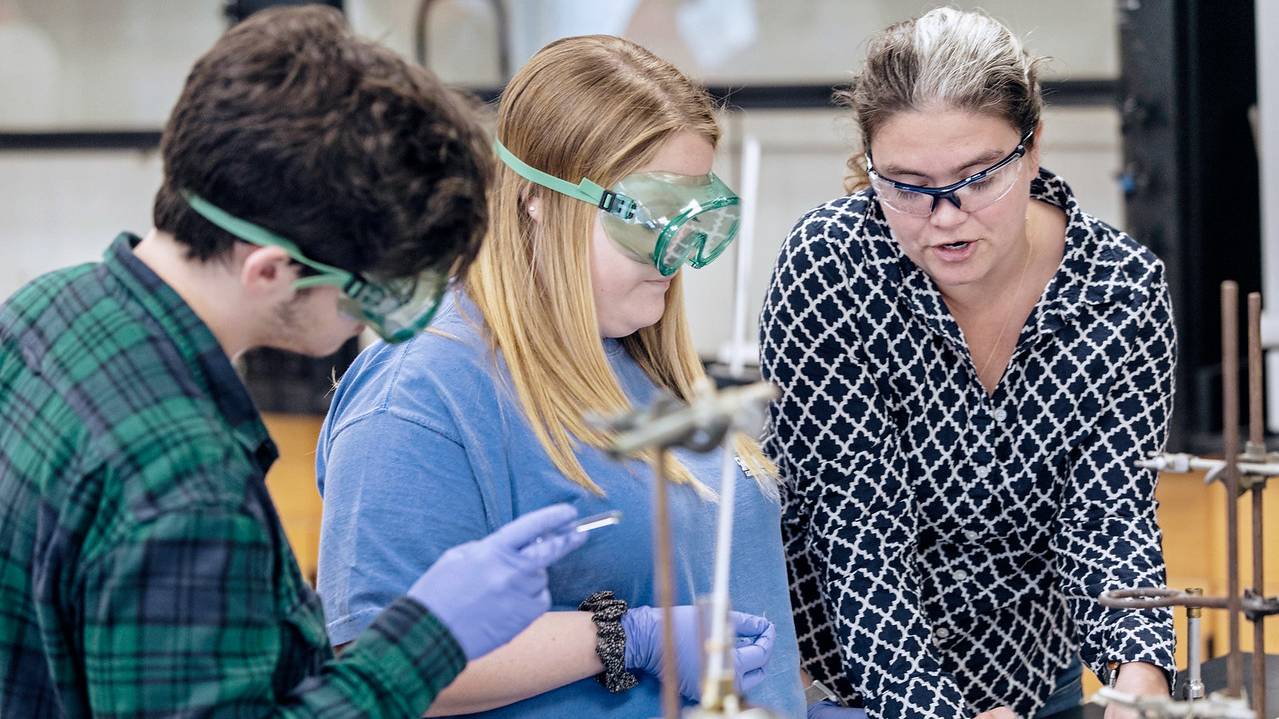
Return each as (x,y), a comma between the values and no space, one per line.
(314,184)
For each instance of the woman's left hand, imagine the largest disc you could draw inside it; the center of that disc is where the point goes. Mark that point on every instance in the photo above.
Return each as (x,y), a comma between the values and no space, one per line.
(1141,679)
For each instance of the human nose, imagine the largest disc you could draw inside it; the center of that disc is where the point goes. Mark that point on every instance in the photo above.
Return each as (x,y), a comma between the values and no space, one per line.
(946,213)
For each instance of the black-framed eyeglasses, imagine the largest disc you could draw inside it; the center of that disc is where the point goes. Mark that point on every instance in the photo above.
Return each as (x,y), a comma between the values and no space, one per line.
(975,192)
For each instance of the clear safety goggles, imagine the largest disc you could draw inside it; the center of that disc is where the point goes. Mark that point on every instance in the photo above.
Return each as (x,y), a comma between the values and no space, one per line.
(971,194)
(657,218)
(396,309)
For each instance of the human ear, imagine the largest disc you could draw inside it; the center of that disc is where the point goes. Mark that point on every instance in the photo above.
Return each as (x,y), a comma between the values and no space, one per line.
(268,273)
(533,206)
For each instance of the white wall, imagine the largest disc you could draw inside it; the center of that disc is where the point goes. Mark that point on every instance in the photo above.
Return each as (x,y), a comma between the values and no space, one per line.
(120,63)
(60,208)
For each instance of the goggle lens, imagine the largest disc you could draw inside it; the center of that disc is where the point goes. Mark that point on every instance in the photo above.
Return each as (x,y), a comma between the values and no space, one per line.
(972,197)
(395,309)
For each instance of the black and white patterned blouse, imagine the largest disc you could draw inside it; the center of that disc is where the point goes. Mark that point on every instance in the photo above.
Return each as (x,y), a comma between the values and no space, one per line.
(946,546)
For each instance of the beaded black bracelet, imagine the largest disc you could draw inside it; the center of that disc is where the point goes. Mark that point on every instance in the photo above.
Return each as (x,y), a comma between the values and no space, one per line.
(610,640)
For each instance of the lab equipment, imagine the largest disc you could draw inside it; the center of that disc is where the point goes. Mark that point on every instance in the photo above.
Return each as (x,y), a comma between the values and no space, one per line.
(1240,472)
(708,420)
(597,521)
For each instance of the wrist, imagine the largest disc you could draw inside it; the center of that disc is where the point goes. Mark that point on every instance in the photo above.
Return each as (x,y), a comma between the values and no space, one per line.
(1140,678)
(635,658)
(611,643)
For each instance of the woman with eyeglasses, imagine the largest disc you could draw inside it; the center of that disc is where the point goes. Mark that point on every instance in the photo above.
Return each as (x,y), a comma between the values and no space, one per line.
(603,193)
(970,365)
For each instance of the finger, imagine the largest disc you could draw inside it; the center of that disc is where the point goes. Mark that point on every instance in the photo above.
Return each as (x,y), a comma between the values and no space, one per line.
(766,638)
(748,624)
(529,527)
(750,658)
(552,548)
(751,679)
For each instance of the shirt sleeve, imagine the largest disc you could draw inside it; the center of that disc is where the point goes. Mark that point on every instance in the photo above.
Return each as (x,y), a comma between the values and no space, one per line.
(848,518)
(1109,536)
(182,619)
(398,492)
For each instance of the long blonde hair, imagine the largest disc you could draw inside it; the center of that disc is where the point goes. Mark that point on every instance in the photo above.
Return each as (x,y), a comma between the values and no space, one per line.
(597,107)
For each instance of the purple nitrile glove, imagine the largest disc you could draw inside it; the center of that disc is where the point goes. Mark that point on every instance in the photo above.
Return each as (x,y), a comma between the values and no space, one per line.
(489,590)
(643,627)
(830,710)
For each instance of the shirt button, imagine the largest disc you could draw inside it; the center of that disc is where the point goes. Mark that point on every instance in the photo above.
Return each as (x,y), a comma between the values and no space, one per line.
(971,535)
(941,633)
(960,575)
(983,472)
(1001,415)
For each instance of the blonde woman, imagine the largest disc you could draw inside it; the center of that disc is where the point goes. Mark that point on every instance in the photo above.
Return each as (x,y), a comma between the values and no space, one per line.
(574,304)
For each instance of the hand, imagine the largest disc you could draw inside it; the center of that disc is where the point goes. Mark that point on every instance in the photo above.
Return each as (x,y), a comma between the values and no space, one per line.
(643,627)
(489,590)
(1142,679)
(830,710)
(998,713)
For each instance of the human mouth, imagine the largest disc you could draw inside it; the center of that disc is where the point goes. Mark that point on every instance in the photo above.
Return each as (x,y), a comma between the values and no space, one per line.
(955,251)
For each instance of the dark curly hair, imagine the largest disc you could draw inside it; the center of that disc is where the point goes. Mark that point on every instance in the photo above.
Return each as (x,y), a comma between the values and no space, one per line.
(363,160)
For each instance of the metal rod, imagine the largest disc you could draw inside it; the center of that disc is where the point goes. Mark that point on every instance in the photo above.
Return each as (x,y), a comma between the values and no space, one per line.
(716,673)
(1194,651)
(749,190)
(665,587)
(1257,448)
(1151,597)
(1181,463)
(1256,401)
(1230,436)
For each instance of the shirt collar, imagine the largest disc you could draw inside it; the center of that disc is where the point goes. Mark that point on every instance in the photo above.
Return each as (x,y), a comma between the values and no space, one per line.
(196,347)
(1086,277)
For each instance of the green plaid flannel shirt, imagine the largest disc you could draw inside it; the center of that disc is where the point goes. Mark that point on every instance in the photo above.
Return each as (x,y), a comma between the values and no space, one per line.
(143,569)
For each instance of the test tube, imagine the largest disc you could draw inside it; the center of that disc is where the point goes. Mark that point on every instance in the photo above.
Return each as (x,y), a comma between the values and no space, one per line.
(1194,659)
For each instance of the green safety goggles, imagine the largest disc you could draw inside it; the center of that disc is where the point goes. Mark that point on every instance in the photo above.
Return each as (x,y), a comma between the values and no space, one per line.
(396,309)
(657,218)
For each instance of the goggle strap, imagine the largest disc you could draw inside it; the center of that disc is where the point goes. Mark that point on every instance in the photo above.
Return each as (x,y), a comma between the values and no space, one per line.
(585,190)
(249,232)
(319,281)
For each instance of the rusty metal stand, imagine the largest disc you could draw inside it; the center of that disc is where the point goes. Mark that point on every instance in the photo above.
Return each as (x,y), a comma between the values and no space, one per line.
(1255,450)
(1230,438)
(700,425)
(1240,472)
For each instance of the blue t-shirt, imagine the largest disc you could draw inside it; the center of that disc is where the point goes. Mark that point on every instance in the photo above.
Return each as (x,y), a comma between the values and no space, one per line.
(426,447)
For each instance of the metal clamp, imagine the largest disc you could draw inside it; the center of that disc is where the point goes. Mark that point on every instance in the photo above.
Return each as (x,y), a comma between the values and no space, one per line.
(1212,707)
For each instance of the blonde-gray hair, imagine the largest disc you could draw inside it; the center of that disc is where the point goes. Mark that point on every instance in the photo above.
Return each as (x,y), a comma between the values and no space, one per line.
(946,58)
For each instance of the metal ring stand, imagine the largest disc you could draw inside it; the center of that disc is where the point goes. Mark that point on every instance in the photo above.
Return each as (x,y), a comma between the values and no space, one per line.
(709,420)
(1240,472)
